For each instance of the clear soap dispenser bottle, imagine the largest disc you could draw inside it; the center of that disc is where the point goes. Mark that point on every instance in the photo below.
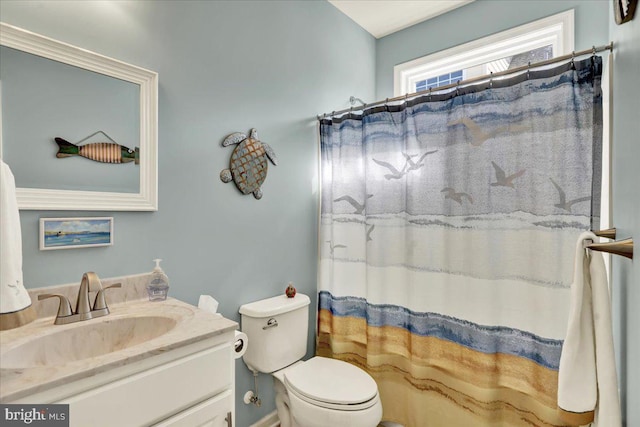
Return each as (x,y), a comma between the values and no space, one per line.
(158,285)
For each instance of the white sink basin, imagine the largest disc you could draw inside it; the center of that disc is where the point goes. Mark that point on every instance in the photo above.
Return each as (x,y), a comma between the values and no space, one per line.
(85,340)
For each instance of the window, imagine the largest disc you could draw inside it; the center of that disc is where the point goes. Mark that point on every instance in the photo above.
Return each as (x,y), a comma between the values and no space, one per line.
(442,80)
(533,42)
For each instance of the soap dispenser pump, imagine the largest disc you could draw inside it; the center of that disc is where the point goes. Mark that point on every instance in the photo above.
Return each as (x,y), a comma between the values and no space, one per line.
(158,285)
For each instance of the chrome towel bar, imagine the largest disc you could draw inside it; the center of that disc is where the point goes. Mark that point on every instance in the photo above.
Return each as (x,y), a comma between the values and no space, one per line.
(620,247)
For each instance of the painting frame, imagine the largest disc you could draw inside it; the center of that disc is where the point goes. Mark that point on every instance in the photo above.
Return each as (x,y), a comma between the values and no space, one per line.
(75,232)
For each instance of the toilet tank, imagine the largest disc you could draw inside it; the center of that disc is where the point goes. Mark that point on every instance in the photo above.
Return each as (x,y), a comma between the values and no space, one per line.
(277,329)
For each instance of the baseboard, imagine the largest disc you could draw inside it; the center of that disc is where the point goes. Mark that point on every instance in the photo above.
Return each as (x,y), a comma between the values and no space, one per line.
(269,420)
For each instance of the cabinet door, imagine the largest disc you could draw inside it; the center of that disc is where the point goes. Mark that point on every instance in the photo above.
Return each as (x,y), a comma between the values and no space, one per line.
(214,412)
(155,394)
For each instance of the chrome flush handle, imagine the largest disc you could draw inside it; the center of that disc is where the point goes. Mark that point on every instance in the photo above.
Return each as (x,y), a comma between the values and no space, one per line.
(271,323)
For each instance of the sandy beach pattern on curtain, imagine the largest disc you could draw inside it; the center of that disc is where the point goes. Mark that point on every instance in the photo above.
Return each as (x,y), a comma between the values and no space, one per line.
(447,235)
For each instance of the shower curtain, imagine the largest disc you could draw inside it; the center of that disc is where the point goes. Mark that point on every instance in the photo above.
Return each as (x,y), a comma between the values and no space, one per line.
(447,235)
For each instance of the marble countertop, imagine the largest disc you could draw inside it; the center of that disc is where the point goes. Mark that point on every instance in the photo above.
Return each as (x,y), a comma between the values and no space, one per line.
(191,325)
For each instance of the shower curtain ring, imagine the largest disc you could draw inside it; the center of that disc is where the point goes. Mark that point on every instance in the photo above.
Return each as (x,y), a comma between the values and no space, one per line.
(528,70)
(458,87)
(491,79)
(573,57)
(593,50)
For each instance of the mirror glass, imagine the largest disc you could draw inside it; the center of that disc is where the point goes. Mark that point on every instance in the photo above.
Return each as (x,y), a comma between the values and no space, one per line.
(79,130)
(43,100)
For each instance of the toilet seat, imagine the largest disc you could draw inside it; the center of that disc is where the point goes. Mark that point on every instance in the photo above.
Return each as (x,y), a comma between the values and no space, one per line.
(332,384)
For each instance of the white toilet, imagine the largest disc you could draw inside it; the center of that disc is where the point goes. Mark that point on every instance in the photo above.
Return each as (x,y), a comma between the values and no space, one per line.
(320,392)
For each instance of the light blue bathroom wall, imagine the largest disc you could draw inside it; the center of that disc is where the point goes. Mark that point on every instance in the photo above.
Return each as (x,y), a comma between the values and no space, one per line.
(272,65)
(626,207)
(480,19)
(223,67)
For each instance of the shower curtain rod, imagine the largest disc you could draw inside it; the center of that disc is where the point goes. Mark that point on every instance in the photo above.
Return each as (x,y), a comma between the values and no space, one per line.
(571,56)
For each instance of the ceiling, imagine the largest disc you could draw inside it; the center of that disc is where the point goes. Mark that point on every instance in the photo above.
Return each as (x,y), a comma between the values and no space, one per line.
(383,17)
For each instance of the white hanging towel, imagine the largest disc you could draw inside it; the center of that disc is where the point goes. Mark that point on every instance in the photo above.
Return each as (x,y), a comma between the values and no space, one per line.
(13,296)
(587,381)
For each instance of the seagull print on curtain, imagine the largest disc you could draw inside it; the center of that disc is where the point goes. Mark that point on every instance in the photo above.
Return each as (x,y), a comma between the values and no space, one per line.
(451,285)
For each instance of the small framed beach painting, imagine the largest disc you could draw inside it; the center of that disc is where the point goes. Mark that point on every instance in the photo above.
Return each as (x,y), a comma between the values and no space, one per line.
(71,233)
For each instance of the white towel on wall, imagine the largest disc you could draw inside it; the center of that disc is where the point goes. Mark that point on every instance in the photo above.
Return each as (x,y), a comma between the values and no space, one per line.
(13,295)
(587,380)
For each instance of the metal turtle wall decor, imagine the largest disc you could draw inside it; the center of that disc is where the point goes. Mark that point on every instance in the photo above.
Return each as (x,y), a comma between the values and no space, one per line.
(248,165)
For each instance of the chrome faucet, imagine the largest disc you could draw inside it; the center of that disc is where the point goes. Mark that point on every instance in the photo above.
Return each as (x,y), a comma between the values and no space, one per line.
(90,281)
(83,308)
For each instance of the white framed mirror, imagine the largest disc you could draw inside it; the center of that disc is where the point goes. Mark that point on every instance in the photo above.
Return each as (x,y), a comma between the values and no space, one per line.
(125,113)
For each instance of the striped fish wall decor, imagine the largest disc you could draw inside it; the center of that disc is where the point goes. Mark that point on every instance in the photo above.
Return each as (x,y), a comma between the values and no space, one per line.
(104,152)
(448,228)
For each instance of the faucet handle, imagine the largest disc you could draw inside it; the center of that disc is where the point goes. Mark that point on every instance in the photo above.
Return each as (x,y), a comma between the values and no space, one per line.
(100,303)
(64,309)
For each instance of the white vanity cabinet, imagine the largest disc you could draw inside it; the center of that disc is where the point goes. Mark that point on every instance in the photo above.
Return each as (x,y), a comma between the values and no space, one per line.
(189,391)
(212,412)
(119,371)
(189,386)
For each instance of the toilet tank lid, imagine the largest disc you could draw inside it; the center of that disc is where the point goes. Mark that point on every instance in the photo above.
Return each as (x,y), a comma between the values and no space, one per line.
(274,306)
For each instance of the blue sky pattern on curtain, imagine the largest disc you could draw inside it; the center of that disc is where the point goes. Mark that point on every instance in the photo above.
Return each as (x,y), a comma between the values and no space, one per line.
(453,218)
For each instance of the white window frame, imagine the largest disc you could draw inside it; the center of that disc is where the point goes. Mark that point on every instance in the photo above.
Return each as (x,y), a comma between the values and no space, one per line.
(556,30)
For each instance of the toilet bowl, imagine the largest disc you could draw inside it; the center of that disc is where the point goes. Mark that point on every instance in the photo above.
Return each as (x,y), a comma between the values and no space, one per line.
(319,392)
(325,392)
